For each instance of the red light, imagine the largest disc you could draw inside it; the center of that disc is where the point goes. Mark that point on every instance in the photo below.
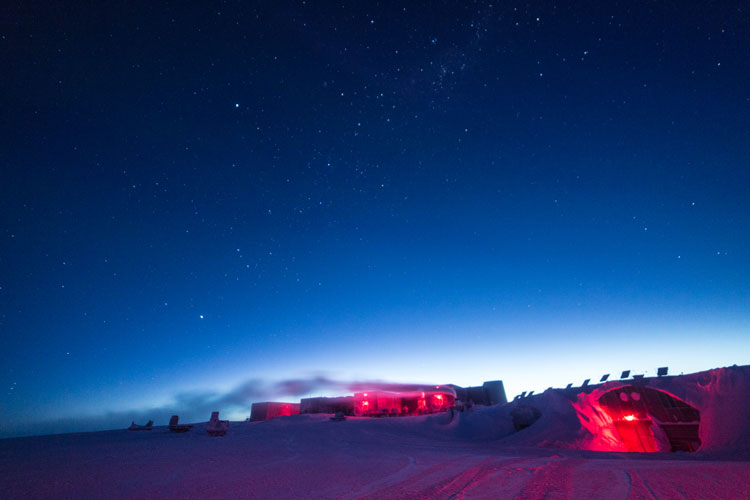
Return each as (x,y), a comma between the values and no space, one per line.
(629,418)
(365,394)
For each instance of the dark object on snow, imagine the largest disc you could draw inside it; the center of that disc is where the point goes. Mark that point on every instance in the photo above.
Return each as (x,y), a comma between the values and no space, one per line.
(586,382)
(216,427)
(492,392)
(569,385)
(175,427)
(660,372)
(604,377)
(524,416)
(625,374)
(339,417)
(135,427)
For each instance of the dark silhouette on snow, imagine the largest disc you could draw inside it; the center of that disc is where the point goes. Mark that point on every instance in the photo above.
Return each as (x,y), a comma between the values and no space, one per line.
(176,427)
(339,417)
(216,427)
(135,427)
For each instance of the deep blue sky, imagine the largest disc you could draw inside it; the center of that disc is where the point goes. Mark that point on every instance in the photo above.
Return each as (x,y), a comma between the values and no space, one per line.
(196,196)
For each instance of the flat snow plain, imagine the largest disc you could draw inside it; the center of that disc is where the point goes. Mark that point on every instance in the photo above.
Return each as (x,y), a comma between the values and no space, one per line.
(309,456)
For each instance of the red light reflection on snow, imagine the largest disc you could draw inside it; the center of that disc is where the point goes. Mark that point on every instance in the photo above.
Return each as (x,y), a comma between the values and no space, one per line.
(602,433)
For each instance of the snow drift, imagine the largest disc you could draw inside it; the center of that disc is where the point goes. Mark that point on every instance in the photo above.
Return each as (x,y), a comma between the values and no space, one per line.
(575,419)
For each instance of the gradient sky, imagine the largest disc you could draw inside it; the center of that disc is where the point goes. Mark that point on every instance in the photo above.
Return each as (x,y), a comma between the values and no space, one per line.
(446,192)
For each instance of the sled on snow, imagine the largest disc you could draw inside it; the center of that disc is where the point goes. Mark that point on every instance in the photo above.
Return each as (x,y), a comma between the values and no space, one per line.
(135,427)
(174,426)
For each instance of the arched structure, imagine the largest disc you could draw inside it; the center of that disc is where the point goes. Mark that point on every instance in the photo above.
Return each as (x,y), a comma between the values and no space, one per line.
(652,420)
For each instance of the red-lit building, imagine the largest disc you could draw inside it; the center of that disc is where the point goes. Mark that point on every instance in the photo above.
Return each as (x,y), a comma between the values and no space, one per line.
(272,409)
(382,403)
(418,400)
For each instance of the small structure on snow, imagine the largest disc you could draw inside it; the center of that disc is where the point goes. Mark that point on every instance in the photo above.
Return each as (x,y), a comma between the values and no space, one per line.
(489,393)
(216,427)
(135,427)
(174,426)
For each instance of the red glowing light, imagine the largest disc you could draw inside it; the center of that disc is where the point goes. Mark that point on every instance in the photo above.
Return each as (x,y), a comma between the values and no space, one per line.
(365,394)
(629,418)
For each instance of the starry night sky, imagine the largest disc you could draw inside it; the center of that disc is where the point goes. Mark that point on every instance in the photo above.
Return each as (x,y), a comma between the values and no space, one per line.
(192,197)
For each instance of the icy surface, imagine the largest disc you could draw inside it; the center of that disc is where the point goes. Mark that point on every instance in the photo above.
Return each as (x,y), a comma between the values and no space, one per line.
(476,454)
(308,456)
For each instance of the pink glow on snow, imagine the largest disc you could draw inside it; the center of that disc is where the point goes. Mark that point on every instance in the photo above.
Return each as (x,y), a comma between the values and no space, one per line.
(602,434)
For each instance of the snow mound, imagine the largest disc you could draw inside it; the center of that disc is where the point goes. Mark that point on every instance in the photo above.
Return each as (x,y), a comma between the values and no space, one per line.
(574,419)
(721,395)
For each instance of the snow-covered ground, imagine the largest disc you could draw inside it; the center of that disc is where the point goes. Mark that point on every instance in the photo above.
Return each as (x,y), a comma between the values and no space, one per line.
(476,454)
(309,456)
